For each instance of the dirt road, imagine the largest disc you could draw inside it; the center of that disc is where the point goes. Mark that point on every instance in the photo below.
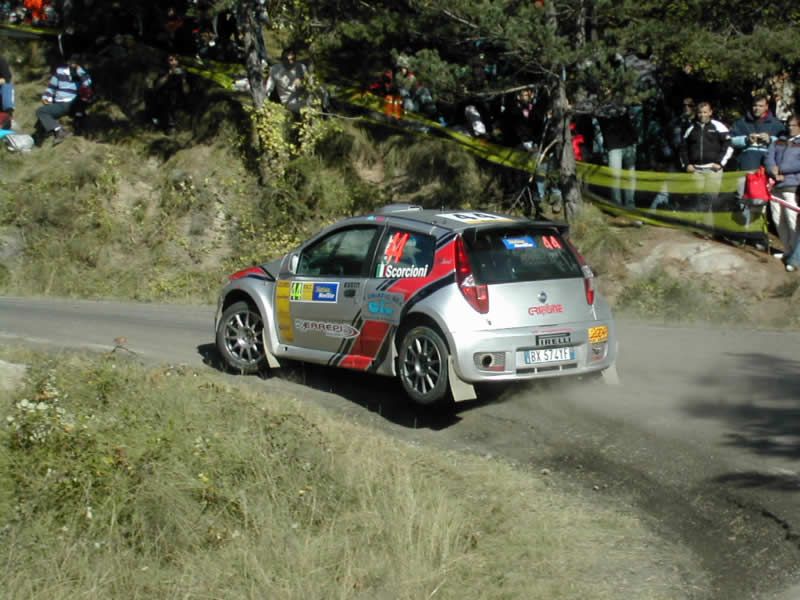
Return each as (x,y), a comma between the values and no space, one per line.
(701,437)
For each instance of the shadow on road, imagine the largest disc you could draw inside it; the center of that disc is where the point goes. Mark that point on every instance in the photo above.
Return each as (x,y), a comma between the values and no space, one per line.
(759,400)
(378,394)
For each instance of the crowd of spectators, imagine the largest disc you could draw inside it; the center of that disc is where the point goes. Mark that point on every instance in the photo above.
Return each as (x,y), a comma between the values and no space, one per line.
(690,137)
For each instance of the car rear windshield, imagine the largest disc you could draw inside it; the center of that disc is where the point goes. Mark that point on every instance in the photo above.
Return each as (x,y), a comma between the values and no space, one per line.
(520,254)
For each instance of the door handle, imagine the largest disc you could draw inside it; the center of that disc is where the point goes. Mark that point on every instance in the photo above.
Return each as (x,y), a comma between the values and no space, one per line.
(349,293)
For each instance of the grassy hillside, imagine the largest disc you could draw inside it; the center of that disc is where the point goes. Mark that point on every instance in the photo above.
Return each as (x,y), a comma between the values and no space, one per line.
(123,481)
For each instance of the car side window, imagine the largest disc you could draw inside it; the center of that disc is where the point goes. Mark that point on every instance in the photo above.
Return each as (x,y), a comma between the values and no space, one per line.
(344,253)
(405,254)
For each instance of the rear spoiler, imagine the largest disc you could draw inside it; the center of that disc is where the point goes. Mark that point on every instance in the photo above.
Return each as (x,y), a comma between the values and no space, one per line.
(560,226)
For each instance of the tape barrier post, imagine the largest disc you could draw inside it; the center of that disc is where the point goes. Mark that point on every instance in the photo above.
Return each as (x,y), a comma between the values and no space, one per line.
(783,203)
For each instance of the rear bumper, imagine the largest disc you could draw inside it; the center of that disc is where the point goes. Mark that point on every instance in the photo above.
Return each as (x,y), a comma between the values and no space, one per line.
(583,356)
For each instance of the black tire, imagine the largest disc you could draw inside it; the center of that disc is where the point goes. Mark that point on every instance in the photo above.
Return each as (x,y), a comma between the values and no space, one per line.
(240,338)
(423,368)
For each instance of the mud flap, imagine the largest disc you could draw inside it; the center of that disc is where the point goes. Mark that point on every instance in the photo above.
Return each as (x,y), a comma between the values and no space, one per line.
(460,390)
(272,361)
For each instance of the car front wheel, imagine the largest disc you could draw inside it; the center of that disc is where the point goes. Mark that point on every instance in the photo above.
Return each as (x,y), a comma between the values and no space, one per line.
(240,338)
(423,366)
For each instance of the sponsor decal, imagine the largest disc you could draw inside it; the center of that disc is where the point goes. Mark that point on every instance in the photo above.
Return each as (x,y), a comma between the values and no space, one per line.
(546,309)
(325,292)
(389,271)
(352,285)
(553,339)
(515,243)
(475,217)
(282,291)
(334,330)
(310,291)
(384,306)
(598,334)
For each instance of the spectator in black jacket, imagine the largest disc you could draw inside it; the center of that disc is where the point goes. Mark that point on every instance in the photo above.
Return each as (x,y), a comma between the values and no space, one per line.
(706,145)
(705,150)
(170,92)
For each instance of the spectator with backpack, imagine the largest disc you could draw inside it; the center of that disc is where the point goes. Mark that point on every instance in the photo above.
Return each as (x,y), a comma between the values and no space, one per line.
(68,91)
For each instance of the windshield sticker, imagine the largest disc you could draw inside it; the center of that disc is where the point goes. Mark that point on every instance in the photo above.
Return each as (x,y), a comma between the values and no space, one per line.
(551,242)
(396,272)
(395,247)
(515,243)
(384,306)
(310,291)
(334,330)
(475,217)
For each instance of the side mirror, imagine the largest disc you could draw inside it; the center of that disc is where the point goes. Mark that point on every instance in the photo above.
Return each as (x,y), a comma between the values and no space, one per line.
(294,259)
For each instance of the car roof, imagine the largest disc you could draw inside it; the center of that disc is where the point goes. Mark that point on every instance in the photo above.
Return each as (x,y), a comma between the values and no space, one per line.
(457,219)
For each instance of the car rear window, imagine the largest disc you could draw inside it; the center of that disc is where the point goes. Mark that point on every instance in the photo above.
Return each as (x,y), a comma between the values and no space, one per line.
(506,255)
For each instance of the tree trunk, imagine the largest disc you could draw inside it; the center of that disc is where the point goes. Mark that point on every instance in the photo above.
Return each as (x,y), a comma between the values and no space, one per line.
(570,189)
(568,181)
(250,28)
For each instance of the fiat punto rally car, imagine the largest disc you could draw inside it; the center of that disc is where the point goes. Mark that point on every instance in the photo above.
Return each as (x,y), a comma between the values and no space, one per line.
(441,299)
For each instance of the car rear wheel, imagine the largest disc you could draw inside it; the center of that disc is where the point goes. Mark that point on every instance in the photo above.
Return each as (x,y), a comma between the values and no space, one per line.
(423,366)
(240,338)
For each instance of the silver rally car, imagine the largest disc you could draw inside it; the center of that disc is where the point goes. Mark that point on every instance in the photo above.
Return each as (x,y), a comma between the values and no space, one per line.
(441,299)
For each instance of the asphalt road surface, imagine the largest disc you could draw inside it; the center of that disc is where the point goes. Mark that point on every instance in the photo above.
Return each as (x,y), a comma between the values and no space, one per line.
(701,436)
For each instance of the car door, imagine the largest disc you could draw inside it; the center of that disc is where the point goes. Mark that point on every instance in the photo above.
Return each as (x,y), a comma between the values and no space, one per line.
(404,261)
(319,304)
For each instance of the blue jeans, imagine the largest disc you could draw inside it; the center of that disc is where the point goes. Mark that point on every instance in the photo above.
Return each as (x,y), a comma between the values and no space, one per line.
(794,258)
(7,97)
(618,159)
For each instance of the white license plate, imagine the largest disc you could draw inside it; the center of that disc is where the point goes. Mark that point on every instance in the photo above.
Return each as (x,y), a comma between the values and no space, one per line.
(548,355)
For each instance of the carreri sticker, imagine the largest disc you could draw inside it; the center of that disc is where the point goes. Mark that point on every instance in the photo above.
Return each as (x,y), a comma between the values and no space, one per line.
(335,330)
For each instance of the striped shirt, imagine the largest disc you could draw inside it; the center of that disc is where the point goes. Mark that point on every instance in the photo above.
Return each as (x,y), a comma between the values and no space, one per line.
(63,88)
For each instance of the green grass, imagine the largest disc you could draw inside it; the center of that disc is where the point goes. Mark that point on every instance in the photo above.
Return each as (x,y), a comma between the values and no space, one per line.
(120,481)
(660,296)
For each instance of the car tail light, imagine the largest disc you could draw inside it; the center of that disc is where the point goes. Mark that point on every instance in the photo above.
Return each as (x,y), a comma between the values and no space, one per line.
(476,294)
(588,284)
(588,275)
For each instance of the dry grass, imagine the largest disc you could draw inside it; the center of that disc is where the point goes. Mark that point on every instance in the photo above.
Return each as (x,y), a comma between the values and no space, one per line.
(169,483)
